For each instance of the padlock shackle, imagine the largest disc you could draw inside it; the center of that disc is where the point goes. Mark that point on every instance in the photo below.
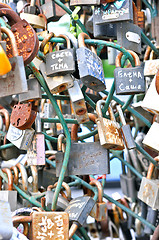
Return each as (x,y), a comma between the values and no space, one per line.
(81,37)
(16,174)
(147,53)
(157,81)
(34,173)
(96,183)
(11,15)
(12,40)
(28,4)
(135,56)
(21,219)
(74,128)
(45,19)
(5,113)
(99,110)
(46,40)
(152,53)
(4,5)
(10,179)
(60,144)
(151,168)
(68,42)
(65,186)
(24,176)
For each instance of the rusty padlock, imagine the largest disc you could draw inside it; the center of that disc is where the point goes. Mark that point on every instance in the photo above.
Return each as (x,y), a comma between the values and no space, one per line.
(100,208)
(23,116)
(26,38)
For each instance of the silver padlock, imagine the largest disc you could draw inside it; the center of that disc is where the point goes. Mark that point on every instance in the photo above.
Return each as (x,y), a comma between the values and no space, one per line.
(58,83)
(78,103)
(8,195)
(34,91)
(20,138)
(149,188)
(15,82)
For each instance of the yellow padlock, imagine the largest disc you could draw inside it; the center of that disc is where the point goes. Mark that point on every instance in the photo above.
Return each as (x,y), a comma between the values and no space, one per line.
(5,65)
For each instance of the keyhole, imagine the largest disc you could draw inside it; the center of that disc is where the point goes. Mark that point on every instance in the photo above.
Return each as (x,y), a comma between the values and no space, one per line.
(18,120)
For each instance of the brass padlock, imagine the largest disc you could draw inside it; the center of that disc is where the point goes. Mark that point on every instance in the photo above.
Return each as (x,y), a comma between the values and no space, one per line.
(109,130)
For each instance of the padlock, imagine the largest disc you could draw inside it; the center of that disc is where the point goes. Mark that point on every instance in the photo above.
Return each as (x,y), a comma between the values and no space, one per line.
(4,62)
(49,112)
(150,139)
(151,66)
(78,209)
(26,38)
(126,131)
(78,103)
(89,161)
(53,225)
(36,21)
(6,225)
(90,66)
(109,130)
(36,152)
(129,80)
(52,11)
(56,84)
(45,225)
(129,36)
(23,115)
(8,195)
(20,138)
(84,2)
(31,8)
(61,62)
(149,188)
(34,91)
(155,235)
(151,100)
(100,208)
(127,181)
(153,218)
(15,81)
(62,201)
(113,12)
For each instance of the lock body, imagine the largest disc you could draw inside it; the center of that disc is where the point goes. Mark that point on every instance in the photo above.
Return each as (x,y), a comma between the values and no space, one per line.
(20,138)
(54,224)
(128,186)
(113,12)
(129,80)
(78,103)
(60,62)
(150,139)
(79,208)
(15,82)
(34,91)
(62,203)
(90,69)
(58,83)
(85,159)
(6,225)
(129,36)
(149,192)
